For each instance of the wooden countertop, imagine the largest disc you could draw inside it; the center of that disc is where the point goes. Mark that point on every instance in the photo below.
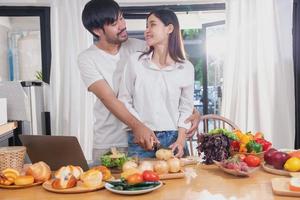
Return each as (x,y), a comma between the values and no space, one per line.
(7,127)
(209,183)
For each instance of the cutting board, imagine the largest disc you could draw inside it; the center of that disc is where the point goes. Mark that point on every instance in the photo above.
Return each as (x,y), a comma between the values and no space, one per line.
(280,186)
(179,174)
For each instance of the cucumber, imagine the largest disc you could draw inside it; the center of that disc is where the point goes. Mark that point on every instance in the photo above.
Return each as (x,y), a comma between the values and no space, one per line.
(121,185)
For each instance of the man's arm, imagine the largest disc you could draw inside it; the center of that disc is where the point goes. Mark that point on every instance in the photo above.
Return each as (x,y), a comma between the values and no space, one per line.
(143,135)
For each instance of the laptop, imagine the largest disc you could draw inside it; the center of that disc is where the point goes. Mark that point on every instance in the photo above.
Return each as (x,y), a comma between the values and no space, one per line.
(56,151)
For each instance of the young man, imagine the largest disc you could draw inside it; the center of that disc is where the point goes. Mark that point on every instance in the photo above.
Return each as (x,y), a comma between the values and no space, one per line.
(101,67)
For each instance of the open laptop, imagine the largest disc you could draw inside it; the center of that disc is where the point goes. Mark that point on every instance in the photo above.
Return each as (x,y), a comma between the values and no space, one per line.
(56,151)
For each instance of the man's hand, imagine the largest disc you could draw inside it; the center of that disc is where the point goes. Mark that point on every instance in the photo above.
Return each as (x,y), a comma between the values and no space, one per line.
(194,119)
(144,137)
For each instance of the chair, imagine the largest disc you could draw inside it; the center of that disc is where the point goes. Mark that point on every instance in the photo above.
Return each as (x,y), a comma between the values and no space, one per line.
(207,123)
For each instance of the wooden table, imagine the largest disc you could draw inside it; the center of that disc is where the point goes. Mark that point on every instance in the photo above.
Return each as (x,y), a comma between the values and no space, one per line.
(6,130)
(210,181)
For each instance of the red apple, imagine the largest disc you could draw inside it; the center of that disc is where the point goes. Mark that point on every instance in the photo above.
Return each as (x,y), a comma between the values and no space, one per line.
(279,158)
(268,155)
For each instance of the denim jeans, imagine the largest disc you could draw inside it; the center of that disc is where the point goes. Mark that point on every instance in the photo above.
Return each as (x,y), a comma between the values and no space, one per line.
(166,138)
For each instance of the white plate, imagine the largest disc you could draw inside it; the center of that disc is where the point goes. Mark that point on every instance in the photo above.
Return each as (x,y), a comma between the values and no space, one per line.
(109,187)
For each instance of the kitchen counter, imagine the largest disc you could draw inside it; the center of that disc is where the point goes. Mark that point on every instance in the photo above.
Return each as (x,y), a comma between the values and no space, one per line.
(6,130)
(210,183)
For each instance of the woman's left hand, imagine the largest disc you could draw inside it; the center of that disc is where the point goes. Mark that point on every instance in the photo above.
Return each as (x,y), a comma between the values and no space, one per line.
(179,147)
(194,119)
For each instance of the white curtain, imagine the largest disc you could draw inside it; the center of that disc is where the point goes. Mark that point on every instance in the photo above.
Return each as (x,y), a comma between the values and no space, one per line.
(71,105)
(258,74)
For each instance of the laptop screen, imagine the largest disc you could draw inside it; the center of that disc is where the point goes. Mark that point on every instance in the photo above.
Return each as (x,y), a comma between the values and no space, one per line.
(56,151)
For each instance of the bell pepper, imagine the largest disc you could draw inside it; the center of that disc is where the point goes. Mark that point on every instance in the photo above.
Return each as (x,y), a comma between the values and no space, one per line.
(245,139)
(253,146)
(265,144)
(235,145)
(243,148)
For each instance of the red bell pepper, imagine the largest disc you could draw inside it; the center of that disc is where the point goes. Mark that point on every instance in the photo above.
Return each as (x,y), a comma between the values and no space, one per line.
(265,144)
(235,145)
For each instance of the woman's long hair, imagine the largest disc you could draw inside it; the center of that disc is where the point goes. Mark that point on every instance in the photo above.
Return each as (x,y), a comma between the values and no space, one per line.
(175,46)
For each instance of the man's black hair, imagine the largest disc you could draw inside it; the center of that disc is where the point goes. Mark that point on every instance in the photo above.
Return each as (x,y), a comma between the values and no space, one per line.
(98,13)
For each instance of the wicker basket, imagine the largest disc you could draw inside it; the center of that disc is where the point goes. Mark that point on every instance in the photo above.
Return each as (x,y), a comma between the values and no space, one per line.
(260,154)
(12,157)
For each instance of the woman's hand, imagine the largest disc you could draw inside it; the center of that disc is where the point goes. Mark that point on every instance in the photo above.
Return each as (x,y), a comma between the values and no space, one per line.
(194,119)
(179,147)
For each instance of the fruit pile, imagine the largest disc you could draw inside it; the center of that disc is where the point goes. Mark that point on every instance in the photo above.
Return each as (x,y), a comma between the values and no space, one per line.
(289,161)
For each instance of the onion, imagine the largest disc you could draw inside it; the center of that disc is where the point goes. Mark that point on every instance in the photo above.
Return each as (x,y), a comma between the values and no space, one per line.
(146,165)
(161,167)
(129,165)
(164,154)
(174,165)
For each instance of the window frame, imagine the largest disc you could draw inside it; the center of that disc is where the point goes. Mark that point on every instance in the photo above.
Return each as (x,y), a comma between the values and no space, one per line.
(44,14)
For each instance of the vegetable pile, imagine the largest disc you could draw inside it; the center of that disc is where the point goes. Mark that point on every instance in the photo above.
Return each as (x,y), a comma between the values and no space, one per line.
(219,143)
(123,185)
(248,143)
(113,159)
(214,146)
(137,181)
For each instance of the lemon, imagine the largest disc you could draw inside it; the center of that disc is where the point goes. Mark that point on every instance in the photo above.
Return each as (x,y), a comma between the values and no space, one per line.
(292,164)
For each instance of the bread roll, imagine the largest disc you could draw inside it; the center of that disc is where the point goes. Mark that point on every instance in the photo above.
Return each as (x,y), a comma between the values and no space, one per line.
(4,180)
(76,171)
(91,178)
(64,183)
(106,174)
(40,171)
(11,174)
(24,180)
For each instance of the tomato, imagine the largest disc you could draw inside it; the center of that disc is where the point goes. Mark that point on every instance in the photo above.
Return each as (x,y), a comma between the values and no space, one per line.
(252,161)
(135,178)
(149,175)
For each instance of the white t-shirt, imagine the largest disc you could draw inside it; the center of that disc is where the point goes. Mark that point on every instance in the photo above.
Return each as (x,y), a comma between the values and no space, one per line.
(160,98)
(95,64)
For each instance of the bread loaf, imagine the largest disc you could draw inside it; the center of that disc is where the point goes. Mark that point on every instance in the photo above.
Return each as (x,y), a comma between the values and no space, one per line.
(40,171)
(106,174)
(76,171)
(64,182)
(91,178)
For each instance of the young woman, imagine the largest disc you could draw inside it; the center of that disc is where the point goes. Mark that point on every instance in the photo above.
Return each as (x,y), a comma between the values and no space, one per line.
(158,85)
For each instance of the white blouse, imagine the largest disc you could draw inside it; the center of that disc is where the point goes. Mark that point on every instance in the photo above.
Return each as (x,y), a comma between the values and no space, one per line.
(161,98)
